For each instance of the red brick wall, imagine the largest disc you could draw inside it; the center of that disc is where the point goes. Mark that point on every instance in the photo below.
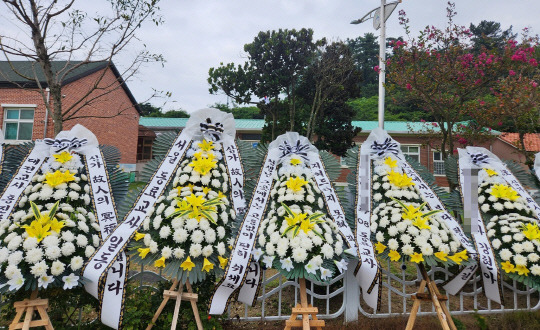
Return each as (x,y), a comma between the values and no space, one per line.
(120,127)
(118,130)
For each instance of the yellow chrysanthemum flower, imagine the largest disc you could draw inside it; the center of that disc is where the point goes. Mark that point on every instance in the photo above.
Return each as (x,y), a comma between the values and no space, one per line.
(522,270)
(63,157)
(295,184)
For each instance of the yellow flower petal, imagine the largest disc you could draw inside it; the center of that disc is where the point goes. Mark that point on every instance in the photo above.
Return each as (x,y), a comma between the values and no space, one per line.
(139,236)
(63,157)
(417,257)
(441,255)
(222,262)
(295,184)
(390,162)
(508,267)
(143,252)
(160,262)
(490,172)
(394,255)
(522,270)
(207,265)
(187,264)
(380,247)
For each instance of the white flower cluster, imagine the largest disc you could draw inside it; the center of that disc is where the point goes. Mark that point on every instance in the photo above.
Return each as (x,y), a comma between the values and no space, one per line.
(44,250)
(516,241)
(315,249)
(496,197)
(192,223)
(403,226)
(513,233)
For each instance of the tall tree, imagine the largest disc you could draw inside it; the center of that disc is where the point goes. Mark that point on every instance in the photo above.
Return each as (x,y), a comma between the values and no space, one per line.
(57,30)
(331,76)
(487,35)
(365,51)
(276,61)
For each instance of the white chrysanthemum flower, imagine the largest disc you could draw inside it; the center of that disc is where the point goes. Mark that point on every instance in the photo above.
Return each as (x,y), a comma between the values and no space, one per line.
(164,232)
(95,240)
(207,251)
(533,257)
(67,249)
(195,250)
(76,263)
(15,258)
(535,270)
(326,250)
(57,268)
(192,224)
(82,240)
(393,244)
(528,246)
(507,238)
(210,235)
(166,252)
(505,254)
(299,254)
(180,235)
(517,247)
(197,236)
(220,247)
(15,243)
(34,255)
(179,253)
(407,249)
(153,246)
(520,260)
(89,251)
(83,226)
(496,243)
(519,237)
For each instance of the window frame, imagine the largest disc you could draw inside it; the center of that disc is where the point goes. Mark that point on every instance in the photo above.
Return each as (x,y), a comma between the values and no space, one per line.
(438,161)
(419,146)
(5,120)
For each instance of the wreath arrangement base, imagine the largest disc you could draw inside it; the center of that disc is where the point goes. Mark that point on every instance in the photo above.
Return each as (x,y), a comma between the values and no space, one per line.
(179,295)
(435,297)
(29,306)
(304,310)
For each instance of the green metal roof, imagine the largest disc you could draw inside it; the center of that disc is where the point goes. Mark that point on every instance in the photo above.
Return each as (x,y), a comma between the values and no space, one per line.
(402,127)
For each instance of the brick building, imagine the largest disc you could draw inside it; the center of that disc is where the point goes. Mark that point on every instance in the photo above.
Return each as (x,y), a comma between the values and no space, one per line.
(110,111)
(412,144)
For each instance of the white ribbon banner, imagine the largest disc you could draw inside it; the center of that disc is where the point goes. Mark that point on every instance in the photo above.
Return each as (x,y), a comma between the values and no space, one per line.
(368,274)
(245,240)
(236,174)
(16,186)
(111,295)
(486,258)
(113,245)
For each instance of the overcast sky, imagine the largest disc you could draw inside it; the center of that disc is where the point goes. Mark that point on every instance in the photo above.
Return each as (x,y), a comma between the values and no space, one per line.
(197,35)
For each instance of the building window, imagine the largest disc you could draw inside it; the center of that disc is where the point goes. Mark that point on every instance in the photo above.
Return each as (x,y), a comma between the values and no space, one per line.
(18,124)
(438,163)
(144,148)
(411,151)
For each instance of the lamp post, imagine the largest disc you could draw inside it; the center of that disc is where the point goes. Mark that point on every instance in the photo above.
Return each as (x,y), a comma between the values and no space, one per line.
(379,16)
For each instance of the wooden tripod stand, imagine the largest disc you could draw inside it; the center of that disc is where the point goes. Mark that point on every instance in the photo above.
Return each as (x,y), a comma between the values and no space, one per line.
(172,293)
(305,310)
(434,296)
(29,306)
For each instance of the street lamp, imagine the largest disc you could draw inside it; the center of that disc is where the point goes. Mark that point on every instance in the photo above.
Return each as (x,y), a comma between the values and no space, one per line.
(385,10)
